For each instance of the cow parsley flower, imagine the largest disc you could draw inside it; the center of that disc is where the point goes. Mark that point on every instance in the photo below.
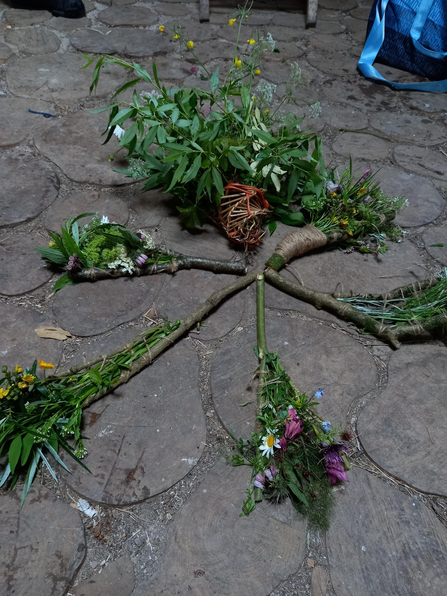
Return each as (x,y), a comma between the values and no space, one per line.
(266,90)
(315,109)
(270,42)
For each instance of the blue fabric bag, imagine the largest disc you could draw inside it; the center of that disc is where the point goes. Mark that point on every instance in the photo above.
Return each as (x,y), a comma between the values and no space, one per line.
(410,35)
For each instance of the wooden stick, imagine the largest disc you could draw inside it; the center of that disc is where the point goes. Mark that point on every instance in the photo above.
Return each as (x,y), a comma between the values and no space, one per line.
(327,302)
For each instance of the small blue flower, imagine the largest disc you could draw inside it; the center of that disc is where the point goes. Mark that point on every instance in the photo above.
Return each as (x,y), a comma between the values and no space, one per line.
(319,393)
(326,426)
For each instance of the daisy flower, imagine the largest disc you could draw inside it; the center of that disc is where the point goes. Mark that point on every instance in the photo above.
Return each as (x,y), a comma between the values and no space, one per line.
(269,442)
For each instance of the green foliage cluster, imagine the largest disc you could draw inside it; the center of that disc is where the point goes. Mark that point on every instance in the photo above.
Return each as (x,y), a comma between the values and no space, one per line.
(300,468)
(193,142)
(37,416)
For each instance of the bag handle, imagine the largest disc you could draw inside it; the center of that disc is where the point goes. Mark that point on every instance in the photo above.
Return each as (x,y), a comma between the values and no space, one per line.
(418,25)
(372,47)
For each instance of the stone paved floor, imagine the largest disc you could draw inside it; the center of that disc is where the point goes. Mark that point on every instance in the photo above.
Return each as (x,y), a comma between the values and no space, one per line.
(165,517)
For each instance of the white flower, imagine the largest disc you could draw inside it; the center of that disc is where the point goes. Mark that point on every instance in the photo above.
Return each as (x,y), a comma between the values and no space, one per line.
(119,132)
(105,219)
(268,443)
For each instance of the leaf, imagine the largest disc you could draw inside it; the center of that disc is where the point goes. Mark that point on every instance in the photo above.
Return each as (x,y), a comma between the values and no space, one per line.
(264,136)
(245,96)
(129,135)
(154,70)
(47,463)
(175,115)
(190,216)
(126,86)
(218,183)
(95,376)
(295,218)
(139,70)
(293,181)
(53,255)
(178,172)
(161,135)
(214,81)
(30,476)
(436,245)
(195,126)
(54,453)
(122,115)
(238,161)
(275,181)
(63,281)
(192,172)
(272,226)
(27,445)
(5,475)
(14,452)
(48,332)
(100,110)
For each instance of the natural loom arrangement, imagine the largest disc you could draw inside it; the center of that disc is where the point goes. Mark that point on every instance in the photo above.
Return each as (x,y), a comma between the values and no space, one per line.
(293,453)
(104,250)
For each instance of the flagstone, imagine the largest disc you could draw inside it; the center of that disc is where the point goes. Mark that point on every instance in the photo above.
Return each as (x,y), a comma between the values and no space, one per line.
(185,291)
(17,121)
(20,344)
(175,10)
(361,13)
(435,102)
(288,19)
(433,236)
(362,146)
(364,96)
(382,541)
(338,64)
(85,158)
(5,52)
(356,28)
(208,241)
(33,40)
(408,417)
(115,579)
(330,43)
(146,435)
(420,130)
(22,269)
(422,160)
(32,188)
(336,271)
(128,16)
(42,543)
(62,24)
(213,551)
(327,26)
(59,78)
(342,116)
(125,41)
(425,201)
(22,18)
(314,356)
(91,308)
(151,206)
(86,201)
(338,4)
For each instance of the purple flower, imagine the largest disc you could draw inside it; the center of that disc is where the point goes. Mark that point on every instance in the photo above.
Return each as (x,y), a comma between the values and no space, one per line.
(140,261)
(259,481)
(348,251)
(283,443)
(141,236)
(270,473)
(208,110)
(293,428)
(334,462)
(365,174)
(319,393)
(193,70)
(73,262)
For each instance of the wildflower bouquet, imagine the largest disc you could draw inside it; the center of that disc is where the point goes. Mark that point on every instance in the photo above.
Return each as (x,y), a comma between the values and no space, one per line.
(354,213)
(37,416)
(195,143)
(104,250)
(294,453)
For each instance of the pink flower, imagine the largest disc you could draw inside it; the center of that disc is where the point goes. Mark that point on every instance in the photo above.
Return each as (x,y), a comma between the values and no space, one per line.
(283,443)
(193,70)
(293,428)
(335,462)
(292,414)
(140,261)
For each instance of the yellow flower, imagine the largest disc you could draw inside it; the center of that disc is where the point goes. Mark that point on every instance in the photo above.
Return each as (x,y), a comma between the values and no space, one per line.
(344,222)
(336,219)
(51,244)
(23,385)
(362,190)
(44,365)
(18,369)
(176,36)
(190,45)
(333,194)
(231,22)
(161,28)
(238,62)
(4,392)
(266,111)
(258,71)
(251,41)
(28,378)
(354,210)
(350,233)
